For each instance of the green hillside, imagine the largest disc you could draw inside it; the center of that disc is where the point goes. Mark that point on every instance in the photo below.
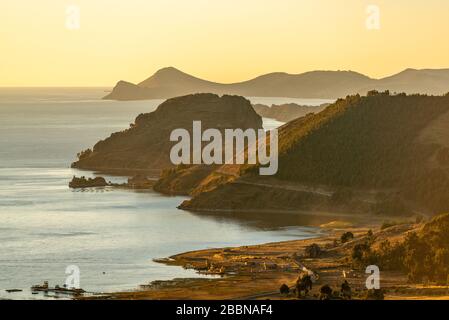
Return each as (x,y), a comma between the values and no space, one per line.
(389,151)
(372,142)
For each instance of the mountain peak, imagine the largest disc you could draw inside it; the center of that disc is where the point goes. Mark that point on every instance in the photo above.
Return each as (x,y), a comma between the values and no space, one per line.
(169,76)
(166,70)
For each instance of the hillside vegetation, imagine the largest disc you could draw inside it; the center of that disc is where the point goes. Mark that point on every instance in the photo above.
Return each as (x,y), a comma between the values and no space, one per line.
(146,144)
(373,143)
(423,254)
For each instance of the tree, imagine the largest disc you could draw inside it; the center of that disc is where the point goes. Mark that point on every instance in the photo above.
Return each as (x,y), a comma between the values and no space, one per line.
(346,290)
(313,251)
(284,289)
(347,236)
(325,292)
(84,154)
(375,294)
(303,283)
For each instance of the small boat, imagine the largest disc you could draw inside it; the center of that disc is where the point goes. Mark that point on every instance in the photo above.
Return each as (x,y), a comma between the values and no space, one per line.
(57,289)
(13,290)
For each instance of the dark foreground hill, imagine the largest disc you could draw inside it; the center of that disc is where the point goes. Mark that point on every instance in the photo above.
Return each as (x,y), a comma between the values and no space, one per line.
(146,144)
(170,82)
(390,151)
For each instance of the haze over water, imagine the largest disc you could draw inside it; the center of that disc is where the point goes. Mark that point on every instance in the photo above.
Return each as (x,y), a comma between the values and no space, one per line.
(112,235)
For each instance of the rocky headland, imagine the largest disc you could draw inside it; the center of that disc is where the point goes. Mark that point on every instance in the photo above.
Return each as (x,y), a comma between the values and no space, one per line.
(145,146)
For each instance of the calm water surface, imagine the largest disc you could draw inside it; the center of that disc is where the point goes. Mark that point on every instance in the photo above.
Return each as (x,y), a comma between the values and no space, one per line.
(112,235)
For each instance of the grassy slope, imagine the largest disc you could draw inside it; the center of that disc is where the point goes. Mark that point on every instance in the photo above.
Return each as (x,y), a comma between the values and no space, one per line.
(363,143)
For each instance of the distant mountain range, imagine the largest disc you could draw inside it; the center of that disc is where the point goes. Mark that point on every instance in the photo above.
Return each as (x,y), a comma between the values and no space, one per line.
(171,82)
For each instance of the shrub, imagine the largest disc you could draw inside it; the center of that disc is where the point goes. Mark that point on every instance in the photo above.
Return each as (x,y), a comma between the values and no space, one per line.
(84,154)
(347,236)
(284,289)
(359,251)
(313,251)
(325,292)
(375,294)
(424,255)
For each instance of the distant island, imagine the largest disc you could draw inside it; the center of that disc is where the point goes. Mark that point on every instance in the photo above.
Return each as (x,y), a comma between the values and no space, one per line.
(171,82)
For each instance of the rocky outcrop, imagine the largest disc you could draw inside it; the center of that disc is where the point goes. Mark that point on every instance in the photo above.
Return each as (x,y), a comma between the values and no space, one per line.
(146,145)
(135,182)
(83,182)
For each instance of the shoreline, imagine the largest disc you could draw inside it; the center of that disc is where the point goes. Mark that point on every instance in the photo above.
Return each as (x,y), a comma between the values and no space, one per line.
(258,271)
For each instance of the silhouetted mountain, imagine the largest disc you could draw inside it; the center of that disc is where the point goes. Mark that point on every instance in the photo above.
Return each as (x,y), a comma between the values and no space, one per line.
(430,81)
(170,82)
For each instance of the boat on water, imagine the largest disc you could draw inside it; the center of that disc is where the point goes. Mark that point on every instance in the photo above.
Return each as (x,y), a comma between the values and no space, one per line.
(57,289)
(13,290)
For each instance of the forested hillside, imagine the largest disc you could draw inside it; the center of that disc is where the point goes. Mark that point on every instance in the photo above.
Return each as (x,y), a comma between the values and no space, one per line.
(393,146)
(371,142)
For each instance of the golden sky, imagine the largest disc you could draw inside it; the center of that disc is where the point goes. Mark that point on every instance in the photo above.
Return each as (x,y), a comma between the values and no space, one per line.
(219,40)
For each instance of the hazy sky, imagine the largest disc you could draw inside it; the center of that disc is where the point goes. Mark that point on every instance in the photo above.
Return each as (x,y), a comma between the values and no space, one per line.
(220,40)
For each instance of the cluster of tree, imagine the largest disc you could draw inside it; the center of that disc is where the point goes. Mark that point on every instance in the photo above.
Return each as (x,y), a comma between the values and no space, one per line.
(304,285)
(370,142)
(423,255)
(313,251)
(347,236)
(84,182)
(84,154)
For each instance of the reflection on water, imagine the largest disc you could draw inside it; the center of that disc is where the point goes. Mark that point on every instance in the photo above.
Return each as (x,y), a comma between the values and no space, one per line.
(112,235)
(115,231)
(279,220)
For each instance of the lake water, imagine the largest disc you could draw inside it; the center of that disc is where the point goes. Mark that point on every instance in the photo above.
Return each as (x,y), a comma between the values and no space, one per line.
(112,235)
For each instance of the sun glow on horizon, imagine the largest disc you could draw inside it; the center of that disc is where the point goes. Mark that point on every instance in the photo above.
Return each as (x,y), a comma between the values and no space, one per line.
(223,41)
